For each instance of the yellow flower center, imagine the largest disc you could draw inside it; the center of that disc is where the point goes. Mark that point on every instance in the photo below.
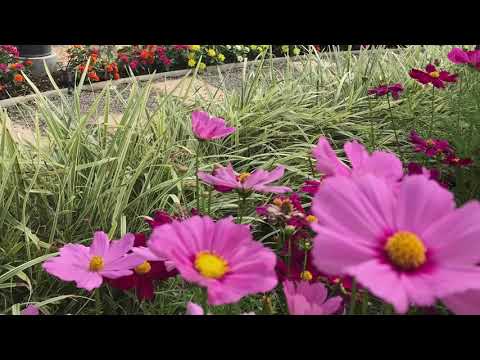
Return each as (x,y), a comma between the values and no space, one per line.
(243,177)
(430,142)
(406,250)
(96,263)
(435,74)
(210,265)
(143,268)
(306,275)
(311,218)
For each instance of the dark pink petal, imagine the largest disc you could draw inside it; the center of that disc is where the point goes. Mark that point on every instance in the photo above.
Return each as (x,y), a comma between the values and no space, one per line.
(437,83)
(430,68)
(420,76)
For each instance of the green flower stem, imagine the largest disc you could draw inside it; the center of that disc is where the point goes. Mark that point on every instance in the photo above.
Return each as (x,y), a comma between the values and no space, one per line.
(365,303)
(98,302)
(242,200)
(394,125)
(197,182)
(433,112)
(353,299)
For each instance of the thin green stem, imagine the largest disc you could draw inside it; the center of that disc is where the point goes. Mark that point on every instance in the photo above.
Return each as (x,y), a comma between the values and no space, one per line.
(372,130)
(289,258)
(305,258)
(312,169)
(365,303)
(98,302)
(242,199)
(394,125)
(197,181)
(353,299)
(209,201)
(433,112)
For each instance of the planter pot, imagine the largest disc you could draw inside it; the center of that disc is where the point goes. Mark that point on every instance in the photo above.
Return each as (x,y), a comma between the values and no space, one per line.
(39,54)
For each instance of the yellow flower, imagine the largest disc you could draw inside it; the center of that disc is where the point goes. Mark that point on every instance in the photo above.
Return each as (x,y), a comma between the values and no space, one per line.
(253,47)
(211,52)
(191,55)
(202,66)
(221,57)
(296,51)
(191,62)
(285,48)
(195,47)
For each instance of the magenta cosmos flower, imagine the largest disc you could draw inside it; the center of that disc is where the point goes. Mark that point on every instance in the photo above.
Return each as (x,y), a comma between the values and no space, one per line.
(459,56)
(378,163)
(432,76)
(209,128)
(31,310)
(221,256)
(430,147)
(409,246)
(87,266)
(258,181)
(306,298)
(142,279)
(383,90)
(195,309)
(310,186)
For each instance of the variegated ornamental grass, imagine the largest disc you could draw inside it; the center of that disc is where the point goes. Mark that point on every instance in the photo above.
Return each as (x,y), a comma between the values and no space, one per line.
(90,177)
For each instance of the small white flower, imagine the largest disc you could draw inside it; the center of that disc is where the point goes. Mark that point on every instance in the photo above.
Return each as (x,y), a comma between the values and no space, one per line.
(238,47)
(239,58)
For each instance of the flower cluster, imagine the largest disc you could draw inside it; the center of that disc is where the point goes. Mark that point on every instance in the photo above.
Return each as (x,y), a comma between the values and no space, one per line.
(11,68)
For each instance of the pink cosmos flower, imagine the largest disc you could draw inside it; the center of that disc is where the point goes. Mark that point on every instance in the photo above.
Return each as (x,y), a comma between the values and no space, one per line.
(466,303)
(195,309)
(133,64)
(256,181)
(310,186)
(383,90)
(221,256)
(31,310)
(432,76)
(379,163)
(142,279)
(459,56)
(209,128)
(87,266)
(409,246)
(306,298)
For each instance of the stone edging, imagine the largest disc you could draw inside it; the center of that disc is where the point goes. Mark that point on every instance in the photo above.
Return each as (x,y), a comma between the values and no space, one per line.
(168,74)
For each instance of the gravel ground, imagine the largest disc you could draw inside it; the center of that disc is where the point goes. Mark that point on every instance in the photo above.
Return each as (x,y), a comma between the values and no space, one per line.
(232,79)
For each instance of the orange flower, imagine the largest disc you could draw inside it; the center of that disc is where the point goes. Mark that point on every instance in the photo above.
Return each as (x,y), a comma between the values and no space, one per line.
(18,78)
(92,75)
(109,68)
(116,76)
(27,62)
(94,57)
(144,54)
(12,66)
(81,68)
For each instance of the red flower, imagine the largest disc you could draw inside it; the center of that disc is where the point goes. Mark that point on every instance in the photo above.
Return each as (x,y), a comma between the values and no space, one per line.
(144,275)
(382,90)
(310,187)
(453,160)
(431,75)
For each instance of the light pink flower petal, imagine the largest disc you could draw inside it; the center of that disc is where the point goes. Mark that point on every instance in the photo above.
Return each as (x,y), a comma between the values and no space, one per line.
(466,303)
(119,248)
(147,254)
(360,208)
(382,281)
(100,244)
(449,280)
(31,310)
(420,203)
(127,262)
(383,164)
(194,309)
(332,305)
(327,161)
(217,180)
(455,238)
(272,189)
(356,153)
(89,280)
